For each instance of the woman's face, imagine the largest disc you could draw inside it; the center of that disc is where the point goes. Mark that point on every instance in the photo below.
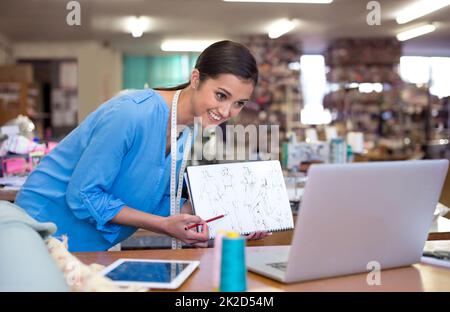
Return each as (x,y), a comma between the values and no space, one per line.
(217,100)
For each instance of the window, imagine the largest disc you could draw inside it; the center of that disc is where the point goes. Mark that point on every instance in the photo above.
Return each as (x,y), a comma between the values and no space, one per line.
(434,71)
(157,71)
(314,87)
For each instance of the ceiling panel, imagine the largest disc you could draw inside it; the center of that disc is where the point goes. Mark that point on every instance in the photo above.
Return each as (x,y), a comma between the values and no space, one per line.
(37,20)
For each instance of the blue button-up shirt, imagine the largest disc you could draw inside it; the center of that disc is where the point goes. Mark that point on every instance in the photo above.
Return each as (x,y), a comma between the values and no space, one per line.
(116,157)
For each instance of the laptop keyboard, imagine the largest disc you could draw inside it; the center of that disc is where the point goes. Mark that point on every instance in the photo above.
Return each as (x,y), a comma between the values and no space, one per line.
(278,265)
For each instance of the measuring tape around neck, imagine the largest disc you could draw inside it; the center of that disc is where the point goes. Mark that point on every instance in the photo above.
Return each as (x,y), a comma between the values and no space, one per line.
(175,193)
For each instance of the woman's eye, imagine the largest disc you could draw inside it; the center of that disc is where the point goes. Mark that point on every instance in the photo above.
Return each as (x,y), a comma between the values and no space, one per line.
(220,96)
(240,104)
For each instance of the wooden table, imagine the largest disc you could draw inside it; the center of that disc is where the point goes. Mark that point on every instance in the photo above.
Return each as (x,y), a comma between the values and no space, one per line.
(440,230)
(143,239)
(418,277)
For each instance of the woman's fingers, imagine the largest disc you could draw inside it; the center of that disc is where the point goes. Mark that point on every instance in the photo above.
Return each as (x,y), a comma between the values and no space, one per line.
(199,236)
(200,239)
(192,218)
(205,229)
(262,235)
(256,235)
(250,236)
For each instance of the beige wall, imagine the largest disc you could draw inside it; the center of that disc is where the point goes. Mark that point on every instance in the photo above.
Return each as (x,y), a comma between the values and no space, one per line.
(99,68)
(5,50)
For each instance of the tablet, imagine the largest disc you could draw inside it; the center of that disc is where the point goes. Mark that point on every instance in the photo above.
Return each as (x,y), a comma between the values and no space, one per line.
(168,274)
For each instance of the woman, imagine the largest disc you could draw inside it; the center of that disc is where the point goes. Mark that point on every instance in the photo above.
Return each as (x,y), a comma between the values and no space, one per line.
(111,175)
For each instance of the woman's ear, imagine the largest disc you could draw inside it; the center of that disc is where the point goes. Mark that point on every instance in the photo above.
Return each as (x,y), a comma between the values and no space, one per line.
(195,78)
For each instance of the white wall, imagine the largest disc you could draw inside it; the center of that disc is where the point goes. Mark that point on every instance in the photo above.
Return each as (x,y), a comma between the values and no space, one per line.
(99,68)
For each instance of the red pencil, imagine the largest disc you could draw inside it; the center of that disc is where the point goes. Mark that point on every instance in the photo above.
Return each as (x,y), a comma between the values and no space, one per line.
(209,220)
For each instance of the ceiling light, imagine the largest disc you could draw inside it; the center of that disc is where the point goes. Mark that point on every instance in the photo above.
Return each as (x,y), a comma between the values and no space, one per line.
(137,25)
(419,9)
(186,45)
(281,27)
(283,1)
(416,32)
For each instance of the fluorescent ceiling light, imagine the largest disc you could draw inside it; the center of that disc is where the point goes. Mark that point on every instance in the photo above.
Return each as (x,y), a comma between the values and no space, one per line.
(137,25)
(186,45)
(281,27)
(419,9)
(283,1)
(416,32)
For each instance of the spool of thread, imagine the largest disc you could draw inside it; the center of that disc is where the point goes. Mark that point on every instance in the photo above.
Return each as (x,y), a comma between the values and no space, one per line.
(356,141)
(217,259)
(233,275)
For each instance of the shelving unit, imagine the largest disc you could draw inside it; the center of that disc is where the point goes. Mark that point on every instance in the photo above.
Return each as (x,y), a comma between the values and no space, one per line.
(277,97)
(437,128)
(19,95)
(13,100)
(368,94)
(57,81)
(16,98)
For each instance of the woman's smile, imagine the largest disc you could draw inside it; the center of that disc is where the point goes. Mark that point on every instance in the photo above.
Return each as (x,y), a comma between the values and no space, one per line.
(214,116)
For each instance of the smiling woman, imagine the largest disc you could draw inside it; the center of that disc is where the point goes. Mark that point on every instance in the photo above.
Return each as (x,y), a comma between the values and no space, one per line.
(113,174)
(223,79)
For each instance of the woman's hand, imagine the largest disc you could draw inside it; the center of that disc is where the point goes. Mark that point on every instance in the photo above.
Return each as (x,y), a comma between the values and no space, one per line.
(187,209)
(175,226)
(257,235)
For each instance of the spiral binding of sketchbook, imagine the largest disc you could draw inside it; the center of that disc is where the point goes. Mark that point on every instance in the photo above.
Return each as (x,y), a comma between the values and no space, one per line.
(251,195)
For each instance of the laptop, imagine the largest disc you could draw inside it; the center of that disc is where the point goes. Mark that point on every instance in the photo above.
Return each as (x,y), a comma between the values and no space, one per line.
(353,214)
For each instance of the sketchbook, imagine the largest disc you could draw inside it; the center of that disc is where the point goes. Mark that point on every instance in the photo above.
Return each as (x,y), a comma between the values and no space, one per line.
(251,195)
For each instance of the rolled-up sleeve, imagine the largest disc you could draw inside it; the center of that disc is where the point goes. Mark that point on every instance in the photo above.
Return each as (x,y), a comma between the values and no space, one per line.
(87,192)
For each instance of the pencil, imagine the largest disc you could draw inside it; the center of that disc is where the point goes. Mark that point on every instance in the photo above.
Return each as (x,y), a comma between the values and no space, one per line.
(209,220)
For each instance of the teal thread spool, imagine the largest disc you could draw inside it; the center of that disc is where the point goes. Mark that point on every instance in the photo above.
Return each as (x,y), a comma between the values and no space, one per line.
(233,275)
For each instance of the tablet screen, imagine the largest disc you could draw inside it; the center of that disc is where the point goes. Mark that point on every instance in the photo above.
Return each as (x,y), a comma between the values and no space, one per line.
(147,272)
